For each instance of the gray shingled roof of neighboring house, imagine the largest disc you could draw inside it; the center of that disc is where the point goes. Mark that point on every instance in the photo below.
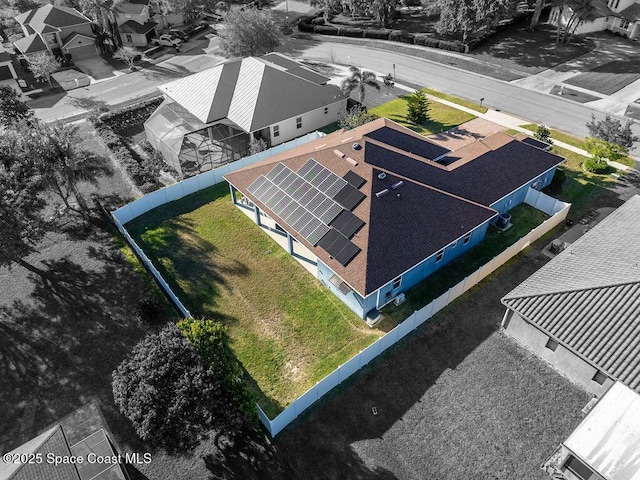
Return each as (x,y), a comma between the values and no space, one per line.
(30,44)
(588,297)
(51,15)
(631,13)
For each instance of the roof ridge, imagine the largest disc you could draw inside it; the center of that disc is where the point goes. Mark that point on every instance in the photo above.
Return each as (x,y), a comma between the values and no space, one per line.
(52,431)
(570,290)
(402,152)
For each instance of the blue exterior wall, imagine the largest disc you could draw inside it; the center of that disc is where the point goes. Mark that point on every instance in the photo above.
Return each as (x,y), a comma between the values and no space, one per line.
(385,294)
(516,197)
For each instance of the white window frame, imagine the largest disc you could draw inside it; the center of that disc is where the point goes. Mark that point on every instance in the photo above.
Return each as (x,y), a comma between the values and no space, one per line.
(397,283)
(276,131)
(466,239)
(439,256)
(299,123)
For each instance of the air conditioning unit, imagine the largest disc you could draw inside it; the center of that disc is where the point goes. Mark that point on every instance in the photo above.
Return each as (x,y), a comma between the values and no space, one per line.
(399,299)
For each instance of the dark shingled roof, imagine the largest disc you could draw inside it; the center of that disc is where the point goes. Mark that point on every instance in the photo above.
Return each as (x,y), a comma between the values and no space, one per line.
(631,13)
(436,204)
(485,179)
(131,26)
(588,297)
(408,143)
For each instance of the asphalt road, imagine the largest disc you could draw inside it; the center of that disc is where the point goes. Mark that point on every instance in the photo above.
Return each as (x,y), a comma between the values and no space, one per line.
(552,110)
(533,106)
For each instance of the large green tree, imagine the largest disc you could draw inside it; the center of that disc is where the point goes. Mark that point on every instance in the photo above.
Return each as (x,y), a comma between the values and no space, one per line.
(612,130)
(248,33)
(469,16)
(21,202)
(358,80)
(12,109)
(168,393)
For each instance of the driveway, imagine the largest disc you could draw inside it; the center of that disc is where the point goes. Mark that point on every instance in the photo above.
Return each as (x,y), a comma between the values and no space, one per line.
(97,68)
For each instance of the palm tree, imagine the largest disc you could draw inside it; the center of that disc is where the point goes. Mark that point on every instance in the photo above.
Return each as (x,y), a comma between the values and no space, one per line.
(580,11)
(359,80)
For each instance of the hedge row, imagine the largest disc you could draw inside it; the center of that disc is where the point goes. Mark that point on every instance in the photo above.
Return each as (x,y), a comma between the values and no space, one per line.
(143,172)
(122,118)
(311,25)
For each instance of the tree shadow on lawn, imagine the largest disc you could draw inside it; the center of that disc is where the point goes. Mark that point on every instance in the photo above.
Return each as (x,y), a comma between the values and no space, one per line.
(534,50)
(61,343)
(190,264)
(348,438)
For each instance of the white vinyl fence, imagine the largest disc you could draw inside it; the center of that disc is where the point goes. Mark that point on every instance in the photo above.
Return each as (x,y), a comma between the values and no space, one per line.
(558,211)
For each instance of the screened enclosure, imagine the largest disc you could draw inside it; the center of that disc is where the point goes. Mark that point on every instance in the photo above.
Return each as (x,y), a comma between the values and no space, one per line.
(190,146)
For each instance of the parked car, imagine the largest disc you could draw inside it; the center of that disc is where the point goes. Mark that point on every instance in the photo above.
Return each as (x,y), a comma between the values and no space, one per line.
(167,40)
(181,34)
(191,31)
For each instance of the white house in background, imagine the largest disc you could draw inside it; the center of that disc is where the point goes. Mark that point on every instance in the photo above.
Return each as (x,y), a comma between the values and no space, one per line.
(619,16)
(140,20)
(605,446)
(581,311)
(209,118)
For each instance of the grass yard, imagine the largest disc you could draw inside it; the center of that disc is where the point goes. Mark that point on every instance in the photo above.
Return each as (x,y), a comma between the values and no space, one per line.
(608,78)
(571,94)
(524,218)
(285,327)
(456,100)
(441,117)
(456,400)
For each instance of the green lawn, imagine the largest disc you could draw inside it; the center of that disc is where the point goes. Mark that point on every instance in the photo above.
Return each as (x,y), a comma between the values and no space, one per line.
(574,141)
(580,188)
(441,117)
(456,100)
(524,218)
(286,328)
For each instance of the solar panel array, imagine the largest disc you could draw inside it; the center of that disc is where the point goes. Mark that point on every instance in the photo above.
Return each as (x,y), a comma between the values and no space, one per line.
(299,203)
(322,178)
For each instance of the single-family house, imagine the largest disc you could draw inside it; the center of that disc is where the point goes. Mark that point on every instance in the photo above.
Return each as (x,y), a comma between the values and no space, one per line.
(581,311)
(134,34)
(377,209)
(8,75)
(619,16)
(83,435)
(56,30)
(604,446)
(209,118)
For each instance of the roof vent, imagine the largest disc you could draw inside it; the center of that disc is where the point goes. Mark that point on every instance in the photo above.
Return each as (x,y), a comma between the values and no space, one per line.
(397,184)
(338,153)
(382,192)
(356,146)
(382,176)
(351,161)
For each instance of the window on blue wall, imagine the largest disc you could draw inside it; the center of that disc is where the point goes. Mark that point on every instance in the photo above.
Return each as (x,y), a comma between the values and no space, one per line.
(439,256)
(453,245)
(467,238)
(397,282)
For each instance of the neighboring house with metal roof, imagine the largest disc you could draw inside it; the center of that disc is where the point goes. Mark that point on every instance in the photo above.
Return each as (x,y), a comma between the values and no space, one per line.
(619,16)
(375,210)
(581,311)
(83,435)
(209,118)
(605,446)
(56,30)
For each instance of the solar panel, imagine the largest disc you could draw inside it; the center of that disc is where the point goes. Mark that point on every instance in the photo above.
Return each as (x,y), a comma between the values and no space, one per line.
(347,223)
(349,197)
(318,233)
(339,247)
(354,179)
(322,178)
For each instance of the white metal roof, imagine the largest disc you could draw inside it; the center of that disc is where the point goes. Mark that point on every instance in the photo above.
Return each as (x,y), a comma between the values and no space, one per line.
(608,439)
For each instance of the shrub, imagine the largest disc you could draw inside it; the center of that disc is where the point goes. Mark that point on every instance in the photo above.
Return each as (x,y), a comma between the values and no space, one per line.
(149,310)
(122,118)
(597,166)
(318,21)
(350,32)
(354,117)
(426,40)
(305,27)
(381,34)
(452,46)
(417,107)
(411,3)
(325,29)
(401,36)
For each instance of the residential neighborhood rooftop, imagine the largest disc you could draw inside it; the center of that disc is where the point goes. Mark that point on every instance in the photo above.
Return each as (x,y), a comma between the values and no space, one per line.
(43,18)
(404,194)
(588,297)
(252,92)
